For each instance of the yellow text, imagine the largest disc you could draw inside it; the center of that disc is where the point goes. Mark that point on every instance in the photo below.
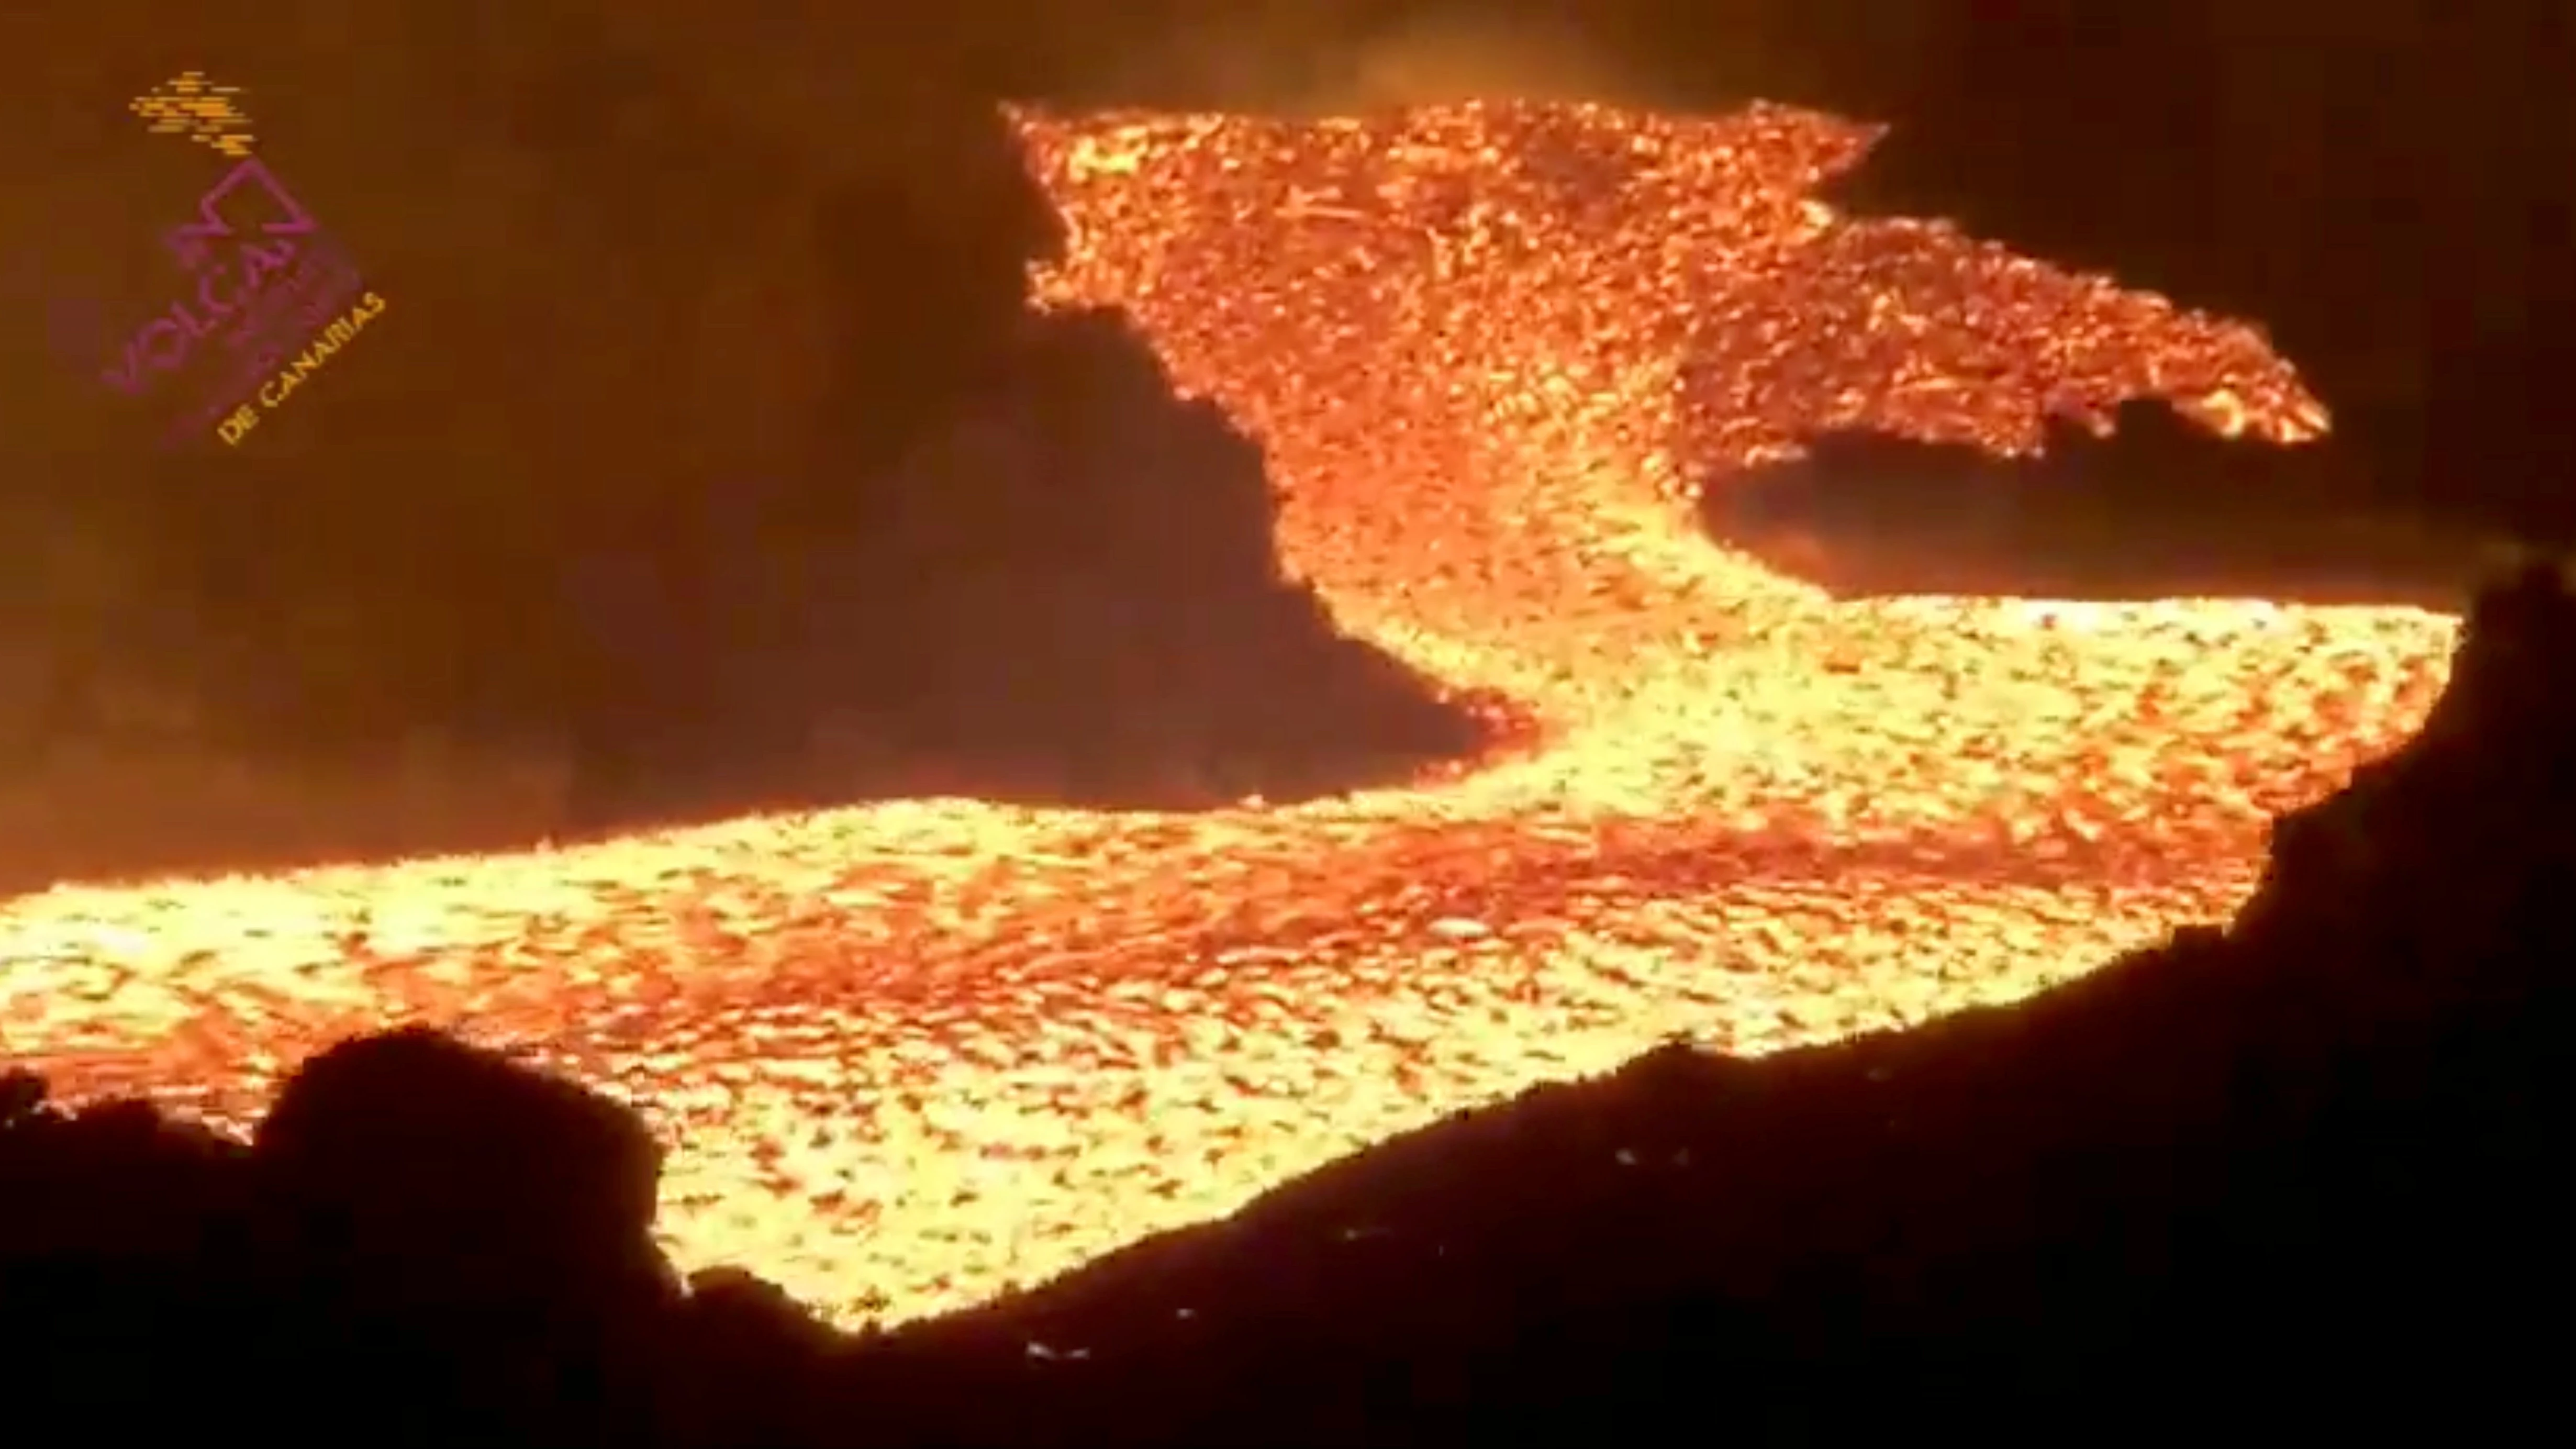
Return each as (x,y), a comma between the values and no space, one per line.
(316,355)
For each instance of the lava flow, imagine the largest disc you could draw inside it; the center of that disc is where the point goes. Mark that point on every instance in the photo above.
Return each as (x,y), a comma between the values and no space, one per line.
(909,1055)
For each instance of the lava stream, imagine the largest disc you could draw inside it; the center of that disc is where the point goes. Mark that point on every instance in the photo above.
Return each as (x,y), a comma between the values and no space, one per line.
(910,1054)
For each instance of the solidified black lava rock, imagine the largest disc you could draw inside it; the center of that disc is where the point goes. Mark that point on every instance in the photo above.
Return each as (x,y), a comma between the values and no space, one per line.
(2157,508)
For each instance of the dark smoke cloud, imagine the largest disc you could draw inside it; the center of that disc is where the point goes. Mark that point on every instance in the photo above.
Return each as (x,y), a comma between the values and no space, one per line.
(625,501)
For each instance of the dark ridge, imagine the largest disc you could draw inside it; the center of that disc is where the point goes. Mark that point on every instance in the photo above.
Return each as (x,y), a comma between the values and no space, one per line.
(2300,1172)
(2158,508)
(708,456)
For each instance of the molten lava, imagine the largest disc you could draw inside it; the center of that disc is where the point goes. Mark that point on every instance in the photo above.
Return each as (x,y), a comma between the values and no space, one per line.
(909,1055)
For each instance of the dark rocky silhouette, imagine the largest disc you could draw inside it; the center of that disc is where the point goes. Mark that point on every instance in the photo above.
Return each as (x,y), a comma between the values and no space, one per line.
(445,1215)
(2159,508)
(2298,1173)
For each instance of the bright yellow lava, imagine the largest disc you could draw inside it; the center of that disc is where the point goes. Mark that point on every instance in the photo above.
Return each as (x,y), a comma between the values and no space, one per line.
(909,1055)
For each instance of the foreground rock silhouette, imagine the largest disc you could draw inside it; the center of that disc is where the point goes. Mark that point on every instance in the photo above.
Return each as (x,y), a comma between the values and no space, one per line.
(2299,1173)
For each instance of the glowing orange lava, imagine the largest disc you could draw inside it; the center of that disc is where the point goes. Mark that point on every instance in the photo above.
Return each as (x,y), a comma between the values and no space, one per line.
(908,1055)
